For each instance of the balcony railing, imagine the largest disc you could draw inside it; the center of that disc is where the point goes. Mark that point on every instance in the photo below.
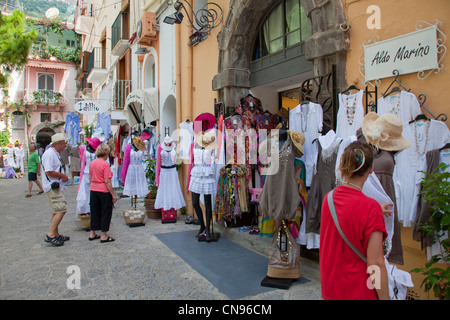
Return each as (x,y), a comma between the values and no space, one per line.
(120,34)
(97,71)
(42,96)
(121,90)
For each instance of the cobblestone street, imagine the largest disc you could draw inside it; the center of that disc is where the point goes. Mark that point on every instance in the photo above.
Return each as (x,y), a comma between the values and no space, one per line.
(137,266)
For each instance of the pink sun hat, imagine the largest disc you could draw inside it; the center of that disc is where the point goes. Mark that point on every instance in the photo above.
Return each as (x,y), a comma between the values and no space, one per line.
(204,122)
(94,142)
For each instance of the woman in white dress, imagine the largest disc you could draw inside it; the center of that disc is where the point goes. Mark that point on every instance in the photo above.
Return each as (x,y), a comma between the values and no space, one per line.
(87,155)
(133,169)
(10,157)
(169,194)
(20,154)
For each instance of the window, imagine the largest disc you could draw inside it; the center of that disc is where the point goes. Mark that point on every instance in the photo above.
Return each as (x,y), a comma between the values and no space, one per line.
(285,26)
(46,117)
(46,81)
(70,43)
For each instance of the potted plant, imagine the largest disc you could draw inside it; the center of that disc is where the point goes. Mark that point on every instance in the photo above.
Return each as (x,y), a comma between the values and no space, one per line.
(435,191)
(149,200)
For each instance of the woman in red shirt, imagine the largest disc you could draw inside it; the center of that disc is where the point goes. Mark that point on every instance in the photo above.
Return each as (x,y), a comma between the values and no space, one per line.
(102,195)
(344,275)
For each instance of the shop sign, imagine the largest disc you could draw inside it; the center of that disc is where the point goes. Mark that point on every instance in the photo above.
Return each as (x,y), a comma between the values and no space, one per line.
(88,107)
(413,52)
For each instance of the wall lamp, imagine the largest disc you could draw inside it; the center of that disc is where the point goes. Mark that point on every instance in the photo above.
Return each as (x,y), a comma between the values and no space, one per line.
(205,19)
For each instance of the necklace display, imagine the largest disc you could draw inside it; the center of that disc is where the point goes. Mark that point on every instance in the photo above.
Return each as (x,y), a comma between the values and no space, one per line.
(427,130)
(351,109)
(284,253)
(396,107)
(354,185)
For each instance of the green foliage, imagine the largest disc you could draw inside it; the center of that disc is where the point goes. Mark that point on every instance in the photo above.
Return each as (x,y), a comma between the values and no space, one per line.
(436,191)
(4,137)
(15,44)
(150,173)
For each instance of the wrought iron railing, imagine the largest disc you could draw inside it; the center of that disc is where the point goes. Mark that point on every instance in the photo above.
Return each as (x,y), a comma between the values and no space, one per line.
(119,29)
(121,90)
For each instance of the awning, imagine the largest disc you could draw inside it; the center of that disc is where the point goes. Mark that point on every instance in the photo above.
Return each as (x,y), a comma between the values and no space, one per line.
(142,106)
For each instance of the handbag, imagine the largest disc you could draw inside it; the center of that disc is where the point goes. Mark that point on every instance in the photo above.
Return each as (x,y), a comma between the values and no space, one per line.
(284,256)
(398,280)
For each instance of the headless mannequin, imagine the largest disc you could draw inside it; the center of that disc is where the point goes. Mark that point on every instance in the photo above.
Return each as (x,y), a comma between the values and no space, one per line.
(204,228)
(282,138)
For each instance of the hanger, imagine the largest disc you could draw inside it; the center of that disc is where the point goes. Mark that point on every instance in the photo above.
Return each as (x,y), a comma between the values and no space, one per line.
(420,117)
(352,87)
(394,90)
(447,146)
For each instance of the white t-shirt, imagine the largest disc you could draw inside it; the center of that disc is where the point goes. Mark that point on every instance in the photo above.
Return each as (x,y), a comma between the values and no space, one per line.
(404,105)
(308,119)
(51,162)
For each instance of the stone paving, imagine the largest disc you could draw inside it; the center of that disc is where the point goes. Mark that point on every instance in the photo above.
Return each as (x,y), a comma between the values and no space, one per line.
(137,266)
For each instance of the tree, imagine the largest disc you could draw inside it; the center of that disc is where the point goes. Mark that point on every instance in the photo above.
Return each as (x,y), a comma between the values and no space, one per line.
(15,44)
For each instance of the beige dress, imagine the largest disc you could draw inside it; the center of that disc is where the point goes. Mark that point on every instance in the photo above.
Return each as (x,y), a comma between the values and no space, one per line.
(279,198)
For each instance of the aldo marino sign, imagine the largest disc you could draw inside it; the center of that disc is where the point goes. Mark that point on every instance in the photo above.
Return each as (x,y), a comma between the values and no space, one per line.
(409,53)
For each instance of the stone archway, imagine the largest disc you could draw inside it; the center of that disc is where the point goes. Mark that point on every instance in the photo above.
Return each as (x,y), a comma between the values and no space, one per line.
(45,129)
(325,48)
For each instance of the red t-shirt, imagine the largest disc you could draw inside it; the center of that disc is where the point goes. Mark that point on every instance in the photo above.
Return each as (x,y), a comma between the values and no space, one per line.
(99,170)
(343,274)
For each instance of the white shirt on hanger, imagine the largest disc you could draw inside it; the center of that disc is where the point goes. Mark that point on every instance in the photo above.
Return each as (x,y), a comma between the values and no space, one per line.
(186,138)
(308,119)
(350,114)
(424,136)
(404,105)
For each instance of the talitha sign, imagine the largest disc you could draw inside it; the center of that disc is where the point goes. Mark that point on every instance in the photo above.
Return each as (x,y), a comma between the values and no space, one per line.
(88,107)
(409,53)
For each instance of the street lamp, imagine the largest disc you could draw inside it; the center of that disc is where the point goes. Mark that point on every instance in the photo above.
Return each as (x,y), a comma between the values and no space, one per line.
(205,19)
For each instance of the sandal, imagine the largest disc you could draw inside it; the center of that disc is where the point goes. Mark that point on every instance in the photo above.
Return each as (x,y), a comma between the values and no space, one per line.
(109,239)
(55,241)
(40,192)
(189,220)
(94,238)
(63,238)
(28,196)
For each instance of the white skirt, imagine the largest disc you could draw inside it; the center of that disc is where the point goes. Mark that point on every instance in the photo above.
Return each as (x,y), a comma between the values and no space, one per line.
(169,194)
(136,182)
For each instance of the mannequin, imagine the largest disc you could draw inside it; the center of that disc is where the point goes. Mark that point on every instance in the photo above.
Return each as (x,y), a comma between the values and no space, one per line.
(201,179)
(87,155)
(169,197)
(20,154)
(133,170)
(10,157)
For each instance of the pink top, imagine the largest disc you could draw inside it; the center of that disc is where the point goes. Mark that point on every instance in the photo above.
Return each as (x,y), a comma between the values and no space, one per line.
(99,170)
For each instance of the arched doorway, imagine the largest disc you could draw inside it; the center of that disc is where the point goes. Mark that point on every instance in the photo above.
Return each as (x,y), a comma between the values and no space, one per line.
(325,49)
(169,116)
(44,137)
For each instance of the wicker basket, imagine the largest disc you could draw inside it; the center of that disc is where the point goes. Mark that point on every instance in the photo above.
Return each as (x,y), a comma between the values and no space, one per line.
(133,216)
(85,221)
(150,210)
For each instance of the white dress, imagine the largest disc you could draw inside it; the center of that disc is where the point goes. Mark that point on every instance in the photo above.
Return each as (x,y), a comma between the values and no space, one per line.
(10,158)
(404,105)
(424,136)
(350,114)
(203,174)
(20,154)
(308,119)
(136,181)
(169,194)
(84,190)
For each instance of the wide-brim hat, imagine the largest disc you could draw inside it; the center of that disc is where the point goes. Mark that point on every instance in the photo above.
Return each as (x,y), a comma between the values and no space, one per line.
(58,137)
(146,134)
(298,139)
(94,142)
(204,122)
(207,140)
(384,132)
(139,144)
(168,144)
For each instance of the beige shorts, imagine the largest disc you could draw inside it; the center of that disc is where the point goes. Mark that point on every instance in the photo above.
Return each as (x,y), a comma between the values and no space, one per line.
(57,202)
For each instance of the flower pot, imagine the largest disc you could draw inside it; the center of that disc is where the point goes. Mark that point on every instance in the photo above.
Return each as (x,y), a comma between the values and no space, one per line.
(150,210)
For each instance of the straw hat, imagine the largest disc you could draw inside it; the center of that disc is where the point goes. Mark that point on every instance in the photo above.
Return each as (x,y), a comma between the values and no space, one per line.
(298,139)
(168,144)
(138,143)
(58,137)
(384,132)
(207,140)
